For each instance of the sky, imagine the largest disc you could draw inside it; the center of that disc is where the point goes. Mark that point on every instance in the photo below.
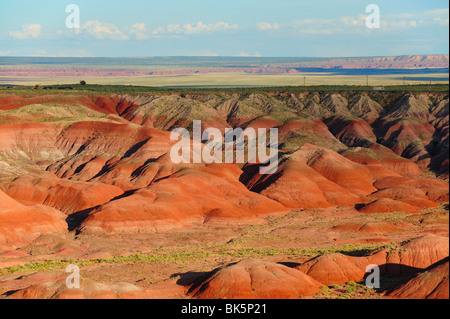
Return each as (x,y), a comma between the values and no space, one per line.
(246,28)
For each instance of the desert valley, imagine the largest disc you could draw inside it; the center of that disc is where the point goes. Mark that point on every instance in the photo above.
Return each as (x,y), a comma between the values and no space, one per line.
(86,179)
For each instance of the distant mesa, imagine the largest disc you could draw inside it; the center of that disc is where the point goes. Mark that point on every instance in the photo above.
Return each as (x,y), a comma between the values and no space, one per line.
(149,67)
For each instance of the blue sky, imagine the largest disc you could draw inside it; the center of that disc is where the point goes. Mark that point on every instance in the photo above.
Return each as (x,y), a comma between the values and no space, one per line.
(268,28)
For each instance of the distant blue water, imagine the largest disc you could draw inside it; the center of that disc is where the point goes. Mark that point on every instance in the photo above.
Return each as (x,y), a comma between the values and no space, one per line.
(409,75)
(337,71)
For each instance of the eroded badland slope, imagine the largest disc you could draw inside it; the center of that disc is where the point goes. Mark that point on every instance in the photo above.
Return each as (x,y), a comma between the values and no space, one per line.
(88,179)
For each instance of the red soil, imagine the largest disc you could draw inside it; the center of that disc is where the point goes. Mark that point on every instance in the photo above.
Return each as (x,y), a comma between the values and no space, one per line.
(367,228)
(432,283)
(254,279)
(66,196)
(333,269)
(380,156)
(174,202)
(419,253)
(118,174)
(22,224)
(94,290)
(386,205)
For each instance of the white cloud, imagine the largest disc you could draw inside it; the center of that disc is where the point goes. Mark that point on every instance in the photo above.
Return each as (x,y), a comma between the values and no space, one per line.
(439,16)
(101,30)
(195,28)
(28,31)
(357,24)
(360,20)
(322,26)
(159,30)
(3,53)
(140,31)
(264,26)
(139,27)
(408,21)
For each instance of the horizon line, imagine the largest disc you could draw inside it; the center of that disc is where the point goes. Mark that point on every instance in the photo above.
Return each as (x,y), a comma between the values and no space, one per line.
(224,56)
